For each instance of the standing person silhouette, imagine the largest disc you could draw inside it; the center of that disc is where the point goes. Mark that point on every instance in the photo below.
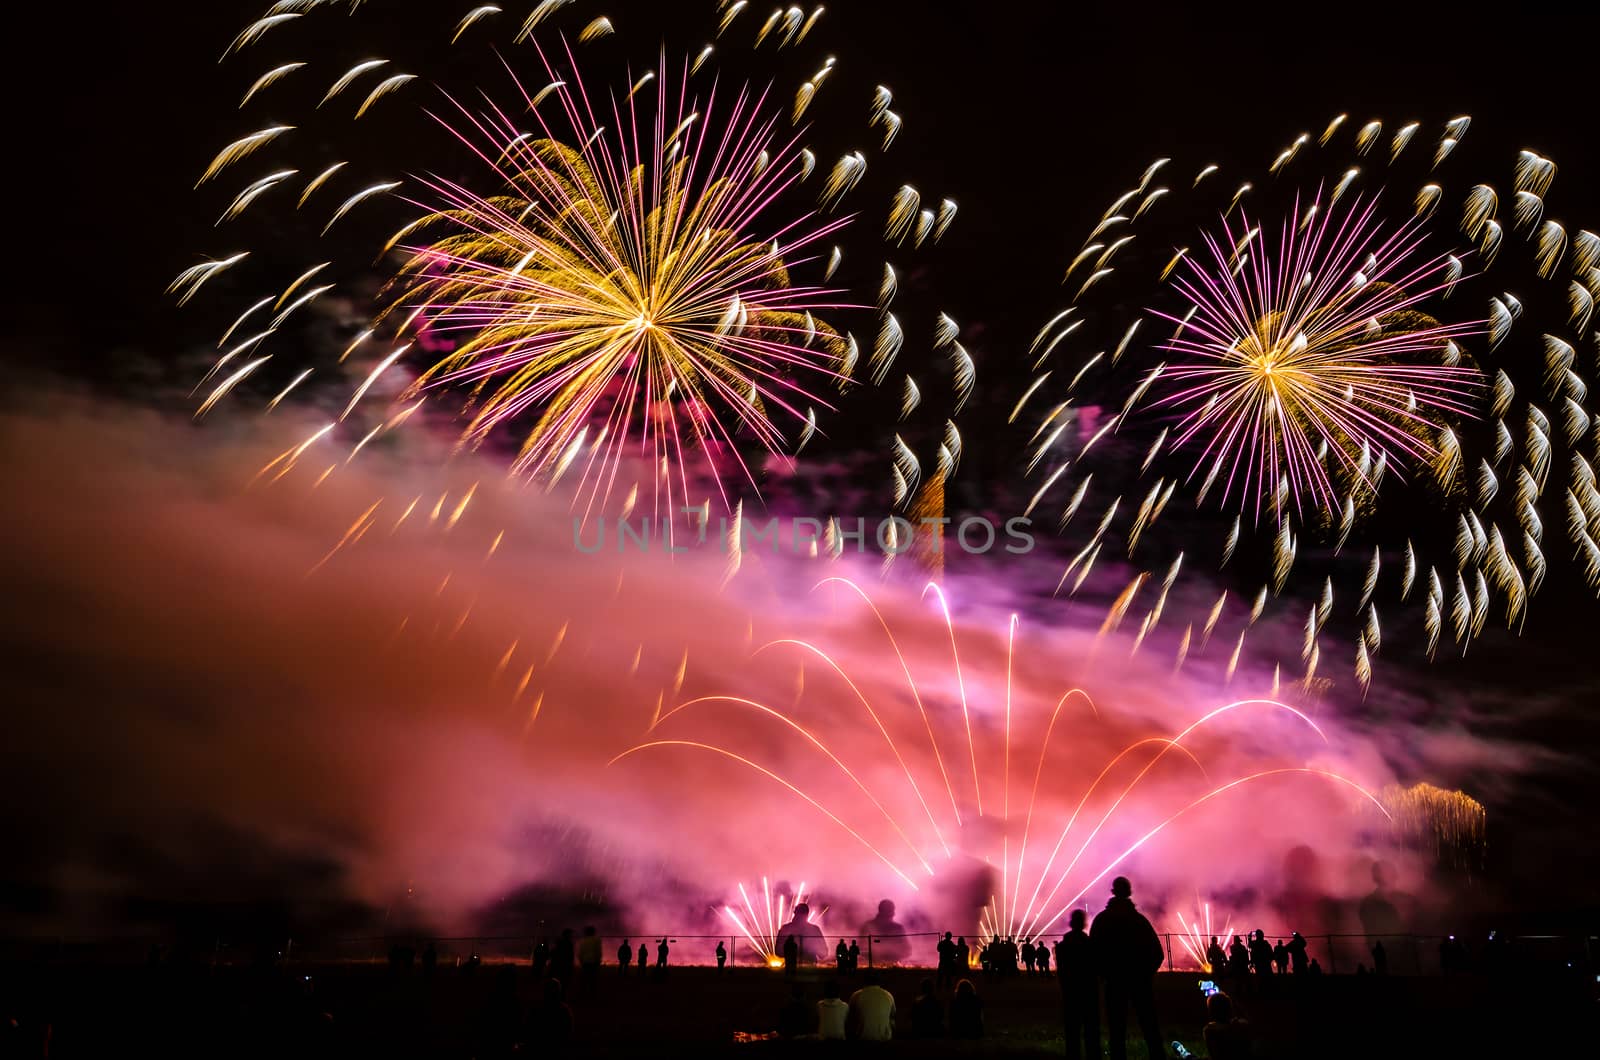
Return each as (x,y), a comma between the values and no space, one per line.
(1129,953)
(1077,973)
(644,955)
(589,962)
(624,956)
(661,959)
(791,955)
(947,960)
(722,956)
(1217,957)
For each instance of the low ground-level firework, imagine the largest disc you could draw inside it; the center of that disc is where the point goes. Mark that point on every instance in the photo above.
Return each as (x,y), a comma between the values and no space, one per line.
(761,923)
(951,768)
(1194,937)
(638,278)
(1352,381)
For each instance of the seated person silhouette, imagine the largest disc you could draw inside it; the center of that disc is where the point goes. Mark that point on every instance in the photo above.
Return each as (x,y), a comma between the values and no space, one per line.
(889,944)
(810,944)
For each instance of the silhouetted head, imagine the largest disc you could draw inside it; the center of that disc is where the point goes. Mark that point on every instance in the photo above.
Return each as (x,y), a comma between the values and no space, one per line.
(886,910)
(1078,919)
(947,936)
(1121,888)
(1259,935)
(830,988)
(966,989)
(1296,937)
(1219,1007)
(802,912)
(927,988)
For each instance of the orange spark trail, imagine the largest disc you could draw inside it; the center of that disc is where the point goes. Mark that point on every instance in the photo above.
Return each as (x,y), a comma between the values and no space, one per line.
(773,776)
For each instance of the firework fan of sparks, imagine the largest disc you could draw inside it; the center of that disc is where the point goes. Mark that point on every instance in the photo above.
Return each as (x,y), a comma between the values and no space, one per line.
(1322,352)
(621,283)
(1041,841)
(1195,935)
(762,925)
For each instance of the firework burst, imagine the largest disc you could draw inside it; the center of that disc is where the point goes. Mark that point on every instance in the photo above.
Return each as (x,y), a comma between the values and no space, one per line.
(645,286)
(1325,384)
(1310,360)
(641,280)
(1195,935)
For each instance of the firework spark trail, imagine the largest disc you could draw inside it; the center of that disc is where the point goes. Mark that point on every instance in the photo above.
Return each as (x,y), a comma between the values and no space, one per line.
(1201,801)
(772,776)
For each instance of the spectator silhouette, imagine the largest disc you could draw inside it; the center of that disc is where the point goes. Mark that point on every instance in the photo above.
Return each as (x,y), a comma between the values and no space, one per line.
(927,1015)
(541,958)
(1226,1036)
(832,1014)
(1297,953)
(810,946)
(794,1019)
(722,956)
(1027,955)
(947,959)
(966,1012)
(1238,960)
(1261,954)
(1129,954)
(1314,967)
(963,955)
(644,955)
(854,953)
(872,1011)
(889,943)
(565,953)
(625,955)
(1217,957)
(1280,958)
(791,955)
(551,1024)
(661,957)
(1380,958)
(1078,975)
(1041,957)
(589,961)
(841,957)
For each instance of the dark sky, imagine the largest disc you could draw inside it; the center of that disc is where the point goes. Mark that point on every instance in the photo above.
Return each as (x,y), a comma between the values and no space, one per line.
(1044,110)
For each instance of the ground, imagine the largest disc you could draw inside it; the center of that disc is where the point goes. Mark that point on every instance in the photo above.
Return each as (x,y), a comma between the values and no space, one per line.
(368,1010)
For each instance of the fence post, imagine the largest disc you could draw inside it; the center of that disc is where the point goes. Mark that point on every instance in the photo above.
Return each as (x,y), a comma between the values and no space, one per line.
(1170,966)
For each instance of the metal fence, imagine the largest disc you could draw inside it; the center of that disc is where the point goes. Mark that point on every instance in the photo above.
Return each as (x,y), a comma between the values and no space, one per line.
(1409,954)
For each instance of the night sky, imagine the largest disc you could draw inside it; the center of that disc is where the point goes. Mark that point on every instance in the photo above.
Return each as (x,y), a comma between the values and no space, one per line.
(1033,115)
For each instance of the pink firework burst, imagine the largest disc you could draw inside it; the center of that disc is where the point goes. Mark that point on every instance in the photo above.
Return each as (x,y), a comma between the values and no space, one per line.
(1310,362)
